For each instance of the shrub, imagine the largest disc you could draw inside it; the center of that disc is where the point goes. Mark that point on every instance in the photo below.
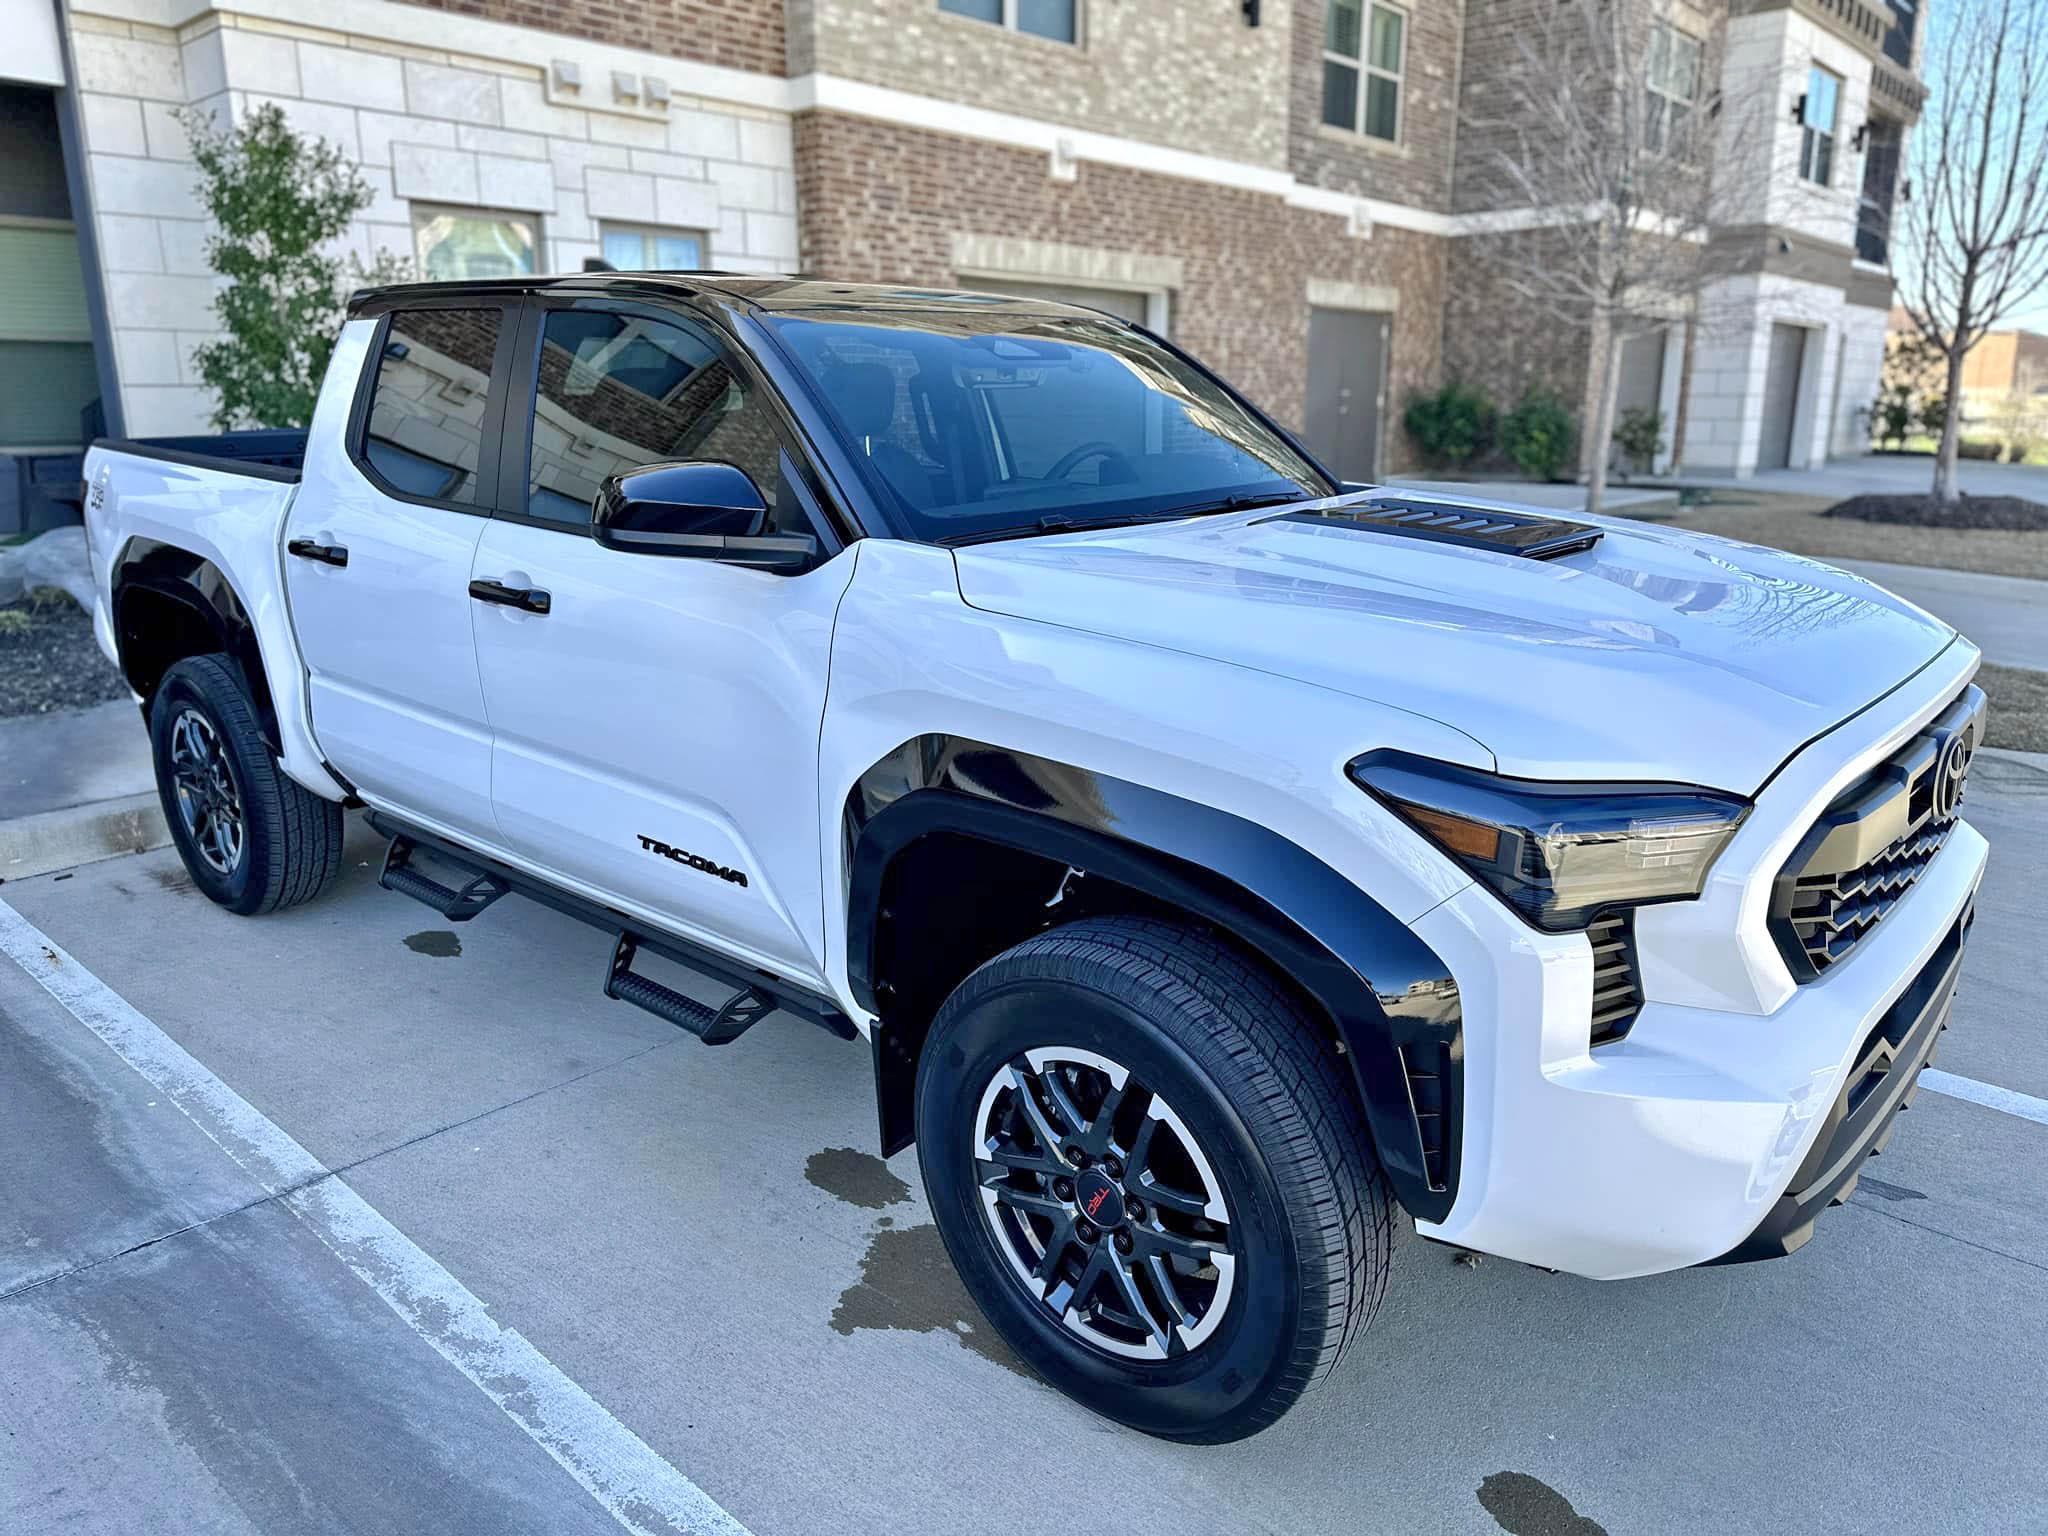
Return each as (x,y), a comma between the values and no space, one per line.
(1934,414)
(1640,437)
(1979,448)
(1451,427)
(1892,418)
(1537,434)
(277,202)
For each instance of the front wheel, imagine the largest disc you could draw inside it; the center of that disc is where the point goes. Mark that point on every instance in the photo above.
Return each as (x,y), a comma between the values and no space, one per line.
(252,839)
(1145,1165)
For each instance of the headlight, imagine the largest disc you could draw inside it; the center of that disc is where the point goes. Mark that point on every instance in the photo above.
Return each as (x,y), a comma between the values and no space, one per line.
(1559,853)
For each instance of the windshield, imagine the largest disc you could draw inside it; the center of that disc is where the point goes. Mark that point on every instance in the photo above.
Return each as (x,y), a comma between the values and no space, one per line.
(981,424)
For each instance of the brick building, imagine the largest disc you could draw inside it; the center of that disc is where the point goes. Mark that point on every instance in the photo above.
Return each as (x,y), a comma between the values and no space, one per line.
(1276,183)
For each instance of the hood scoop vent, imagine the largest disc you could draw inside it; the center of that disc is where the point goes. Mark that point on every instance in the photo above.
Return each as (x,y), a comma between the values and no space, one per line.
(1444,522)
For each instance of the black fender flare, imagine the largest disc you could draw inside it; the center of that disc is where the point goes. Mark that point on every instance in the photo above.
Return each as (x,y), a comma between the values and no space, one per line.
(202,592)
(1392,998)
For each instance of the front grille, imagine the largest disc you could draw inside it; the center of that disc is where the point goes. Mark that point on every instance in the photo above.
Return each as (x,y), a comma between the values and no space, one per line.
(1870,847)
(1617,991)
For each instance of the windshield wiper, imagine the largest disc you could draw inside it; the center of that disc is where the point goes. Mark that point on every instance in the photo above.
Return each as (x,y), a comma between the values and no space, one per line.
(1060,522)
(1237,503)
(1052,522)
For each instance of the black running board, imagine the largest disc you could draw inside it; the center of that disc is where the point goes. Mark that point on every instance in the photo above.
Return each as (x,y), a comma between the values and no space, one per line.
(456,903)
(755,993)
(714,1026)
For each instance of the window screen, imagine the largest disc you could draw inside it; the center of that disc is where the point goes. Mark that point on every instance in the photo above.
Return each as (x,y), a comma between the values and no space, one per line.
(618,391)
(426,421)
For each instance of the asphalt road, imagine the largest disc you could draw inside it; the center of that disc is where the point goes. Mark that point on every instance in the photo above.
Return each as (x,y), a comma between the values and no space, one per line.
(418,1190)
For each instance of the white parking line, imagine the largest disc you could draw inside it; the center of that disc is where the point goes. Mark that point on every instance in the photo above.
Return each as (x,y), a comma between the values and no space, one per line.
(2005,1100)
(636,1486)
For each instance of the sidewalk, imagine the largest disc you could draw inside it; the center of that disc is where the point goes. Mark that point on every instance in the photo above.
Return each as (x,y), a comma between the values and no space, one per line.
(74,787)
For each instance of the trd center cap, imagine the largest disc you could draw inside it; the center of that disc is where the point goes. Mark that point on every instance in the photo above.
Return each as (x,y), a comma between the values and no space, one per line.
(1100,1200)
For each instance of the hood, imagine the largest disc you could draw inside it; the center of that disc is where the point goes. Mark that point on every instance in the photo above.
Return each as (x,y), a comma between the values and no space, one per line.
(1654,654)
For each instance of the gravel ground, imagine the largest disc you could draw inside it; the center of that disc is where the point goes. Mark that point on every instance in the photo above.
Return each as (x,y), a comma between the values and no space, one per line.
(49,659)
(1799,524)
(2017,715)
(2009,512)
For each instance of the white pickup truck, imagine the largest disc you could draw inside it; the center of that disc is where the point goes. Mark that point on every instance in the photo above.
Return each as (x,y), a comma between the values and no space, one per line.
(1226,866)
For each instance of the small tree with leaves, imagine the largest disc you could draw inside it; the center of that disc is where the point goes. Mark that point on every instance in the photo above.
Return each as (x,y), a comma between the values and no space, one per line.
(1972,248)
(278,201)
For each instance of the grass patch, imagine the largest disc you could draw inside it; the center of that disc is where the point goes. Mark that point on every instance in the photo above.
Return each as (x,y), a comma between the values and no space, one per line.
(1796,524)
(2017,713)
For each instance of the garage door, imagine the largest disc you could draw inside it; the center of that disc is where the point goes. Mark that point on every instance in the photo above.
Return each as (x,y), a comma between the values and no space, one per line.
(1123,302)
(1781,396)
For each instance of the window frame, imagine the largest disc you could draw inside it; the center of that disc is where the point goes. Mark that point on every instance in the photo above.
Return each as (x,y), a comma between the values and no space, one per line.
(1811,135)
(1652,88)
(648,233)
(424,209)
(490,446)
(1368,71)
(1007,22)
(515,463)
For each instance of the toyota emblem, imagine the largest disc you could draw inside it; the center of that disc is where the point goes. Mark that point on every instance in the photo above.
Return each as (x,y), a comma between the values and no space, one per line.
(1951,767)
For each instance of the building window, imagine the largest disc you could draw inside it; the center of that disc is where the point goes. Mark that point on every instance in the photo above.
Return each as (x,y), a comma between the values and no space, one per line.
(1363,49)
(631,248)
(1672,88)
(457,243)
(1817,125)
(1059,20)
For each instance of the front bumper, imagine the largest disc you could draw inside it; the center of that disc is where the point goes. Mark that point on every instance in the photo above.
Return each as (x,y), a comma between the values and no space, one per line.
(1878,1086)
(1682,1143)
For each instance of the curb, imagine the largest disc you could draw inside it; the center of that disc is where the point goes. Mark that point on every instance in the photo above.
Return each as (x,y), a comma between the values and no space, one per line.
(80,834)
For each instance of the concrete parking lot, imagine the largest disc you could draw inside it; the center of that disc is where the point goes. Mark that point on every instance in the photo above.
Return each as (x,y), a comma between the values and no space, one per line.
(347,1220)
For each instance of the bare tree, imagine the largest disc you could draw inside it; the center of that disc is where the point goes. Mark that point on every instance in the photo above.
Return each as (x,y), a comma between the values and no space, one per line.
(1607,145)
(1973,243)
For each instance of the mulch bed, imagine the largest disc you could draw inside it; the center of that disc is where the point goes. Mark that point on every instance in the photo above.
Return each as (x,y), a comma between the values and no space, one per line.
(49,659)
(2013,513)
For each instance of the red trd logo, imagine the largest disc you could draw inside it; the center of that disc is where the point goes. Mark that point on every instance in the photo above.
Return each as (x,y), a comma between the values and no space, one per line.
(1095,1201)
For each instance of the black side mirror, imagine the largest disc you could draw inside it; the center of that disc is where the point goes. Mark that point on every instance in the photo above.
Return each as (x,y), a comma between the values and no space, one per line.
(695,508)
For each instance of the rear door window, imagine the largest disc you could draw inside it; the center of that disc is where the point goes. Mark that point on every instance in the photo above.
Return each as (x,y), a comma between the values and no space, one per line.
(423,437)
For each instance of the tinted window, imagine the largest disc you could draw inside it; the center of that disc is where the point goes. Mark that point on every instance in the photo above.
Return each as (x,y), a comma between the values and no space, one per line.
(618,391)
(979,421)
(427,407)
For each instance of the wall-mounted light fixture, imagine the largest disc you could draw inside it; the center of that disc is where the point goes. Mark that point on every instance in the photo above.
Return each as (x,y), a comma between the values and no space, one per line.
(1251,13)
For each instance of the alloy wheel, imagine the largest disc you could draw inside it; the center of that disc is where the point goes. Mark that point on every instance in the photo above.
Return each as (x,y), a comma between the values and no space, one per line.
(1103,1203)
(208,802)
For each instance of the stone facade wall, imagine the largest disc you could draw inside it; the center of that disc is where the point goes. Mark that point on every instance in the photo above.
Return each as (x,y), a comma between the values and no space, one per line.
(1418,169)
(738,34)
(882,203)
(1185,73)
(443,128)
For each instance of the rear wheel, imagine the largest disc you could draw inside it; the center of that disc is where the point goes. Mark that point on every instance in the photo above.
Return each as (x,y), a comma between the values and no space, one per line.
(1145,1164)
(252,838)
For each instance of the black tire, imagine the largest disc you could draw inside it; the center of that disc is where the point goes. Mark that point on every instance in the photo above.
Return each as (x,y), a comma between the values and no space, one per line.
(1309,1223)
(289,845)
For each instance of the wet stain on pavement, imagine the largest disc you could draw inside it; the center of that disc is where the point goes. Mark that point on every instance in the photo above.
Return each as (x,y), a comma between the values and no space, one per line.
(1527,1506)
(437,942)
(858,1178)
(172,878)
(907,1282)
(1889,1191)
